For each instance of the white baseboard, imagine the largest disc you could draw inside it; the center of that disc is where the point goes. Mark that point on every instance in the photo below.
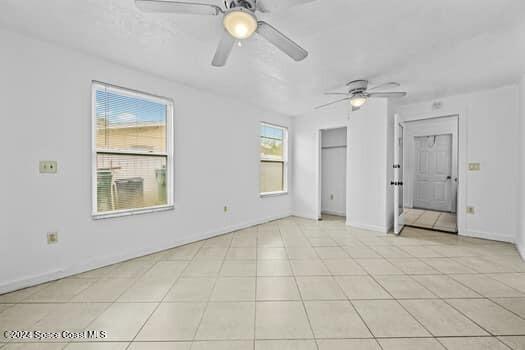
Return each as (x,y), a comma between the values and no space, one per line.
(99,262)
(333,212)
(305,216)
(382,229)
(487,235)
(521,250)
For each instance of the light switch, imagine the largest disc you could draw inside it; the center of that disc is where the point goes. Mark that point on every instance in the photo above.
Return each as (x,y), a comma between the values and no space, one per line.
(48,167)
(470,210)
(474,167)
(52,237)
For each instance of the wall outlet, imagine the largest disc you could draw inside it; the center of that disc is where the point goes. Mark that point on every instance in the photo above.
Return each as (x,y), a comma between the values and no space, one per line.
(474,166)
(52,237)
(48,167)
(332,197)
(471,210)
(225,208)
(437,105)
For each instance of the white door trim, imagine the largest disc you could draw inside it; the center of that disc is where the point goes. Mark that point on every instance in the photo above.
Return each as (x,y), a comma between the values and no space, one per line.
(462,159)
(429,127)
(319,183)
(399,171)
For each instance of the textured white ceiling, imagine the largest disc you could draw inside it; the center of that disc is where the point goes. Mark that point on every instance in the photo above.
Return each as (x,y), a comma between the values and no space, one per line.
(432,47)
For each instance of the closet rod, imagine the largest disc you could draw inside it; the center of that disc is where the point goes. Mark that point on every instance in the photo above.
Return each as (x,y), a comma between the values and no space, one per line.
(328,147)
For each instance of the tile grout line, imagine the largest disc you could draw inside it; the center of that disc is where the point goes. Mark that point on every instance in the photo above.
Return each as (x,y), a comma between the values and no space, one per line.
(369,274)
(255,297)
(344,293)
(444,300)
(299,290)
(403,307)
(158,305)
(218,275)
(110,304)
(393,298)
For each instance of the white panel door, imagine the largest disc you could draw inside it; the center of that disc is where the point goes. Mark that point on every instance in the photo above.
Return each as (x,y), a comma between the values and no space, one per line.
(433,172)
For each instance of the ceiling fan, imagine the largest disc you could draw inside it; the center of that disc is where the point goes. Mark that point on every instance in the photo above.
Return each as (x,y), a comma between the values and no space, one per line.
(358,93)
(239,20)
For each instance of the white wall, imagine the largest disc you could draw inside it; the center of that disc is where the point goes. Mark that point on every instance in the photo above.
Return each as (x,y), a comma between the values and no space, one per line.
(333,171)
(334,137)
(520,239)
(368,181)
(46,115)
(491,120)
(367,162)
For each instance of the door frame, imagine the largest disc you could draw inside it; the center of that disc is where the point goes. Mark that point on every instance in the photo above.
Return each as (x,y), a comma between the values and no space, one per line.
(462,160)
(319,172)
(399,174)
(429,127)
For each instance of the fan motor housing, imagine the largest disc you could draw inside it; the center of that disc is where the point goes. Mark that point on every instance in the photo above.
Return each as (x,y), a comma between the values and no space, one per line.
(247,4)
(357,86)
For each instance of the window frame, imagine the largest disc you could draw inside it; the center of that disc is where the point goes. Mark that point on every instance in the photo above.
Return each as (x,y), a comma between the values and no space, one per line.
(168,154)
(284,161)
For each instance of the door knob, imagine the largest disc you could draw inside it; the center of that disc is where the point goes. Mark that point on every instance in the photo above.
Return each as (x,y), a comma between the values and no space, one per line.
(449,177)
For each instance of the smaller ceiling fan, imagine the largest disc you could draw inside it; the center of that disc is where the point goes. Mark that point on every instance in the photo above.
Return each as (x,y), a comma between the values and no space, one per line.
(358,93)
(239,21)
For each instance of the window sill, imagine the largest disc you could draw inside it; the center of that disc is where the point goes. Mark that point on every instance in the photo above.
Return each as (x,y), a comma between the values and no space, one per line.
(273,194)
(120,213)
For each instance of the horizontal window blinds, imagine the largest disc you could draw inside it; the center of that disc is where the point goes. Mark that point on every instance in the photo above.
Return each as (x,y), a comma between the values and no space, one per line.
(131,150)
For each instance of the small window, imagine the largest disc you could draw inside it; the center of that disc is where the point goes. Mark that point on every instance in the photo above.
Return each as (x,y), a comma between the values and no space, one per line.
(274,159)
(132,152)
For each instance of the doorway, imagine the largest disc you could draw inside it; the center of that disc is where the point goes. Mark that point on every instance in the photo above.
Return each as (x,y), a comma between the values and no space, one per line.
(333,156)
(429,189)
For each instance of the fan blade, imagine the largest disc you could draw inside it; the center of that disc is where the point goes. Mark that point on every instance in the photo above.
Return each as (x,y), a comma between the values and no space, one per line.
(189,8)
(389,85)
(281,41)
(279,5)
(223,50)
(331,103)
(387,94)
(336,93)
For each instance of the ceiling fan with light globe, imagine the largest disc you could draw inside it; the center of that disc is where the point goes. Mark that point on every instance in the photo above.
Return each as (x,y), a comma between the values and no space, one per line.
(358,93)
(239,20)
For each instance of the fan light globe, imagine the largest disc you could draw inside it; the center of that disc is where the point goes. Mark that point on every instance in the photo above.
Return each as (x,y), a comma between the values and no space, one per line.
(240,24)
(358,100)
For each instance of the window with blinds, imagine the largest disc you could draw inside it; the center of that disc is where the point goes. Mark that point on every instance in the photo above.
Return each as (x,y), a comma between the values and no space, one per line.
(274,158)
(132,151)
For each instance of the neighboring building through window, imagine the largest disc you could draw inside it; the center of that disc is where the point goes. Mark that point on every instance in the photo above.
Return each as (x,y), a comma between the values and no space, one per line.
(132,152)
(274,159)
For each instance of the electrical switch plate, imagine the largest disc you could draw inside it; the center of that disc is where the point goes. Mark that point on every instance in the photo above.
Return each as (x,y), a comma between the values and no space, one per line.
(48,167)
(52,237)
(474,166)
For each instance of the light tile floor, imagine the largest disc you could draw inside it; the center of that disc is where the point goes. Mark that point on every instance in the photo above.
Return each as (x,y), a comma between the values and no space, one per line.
(291,284)
(431,219)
